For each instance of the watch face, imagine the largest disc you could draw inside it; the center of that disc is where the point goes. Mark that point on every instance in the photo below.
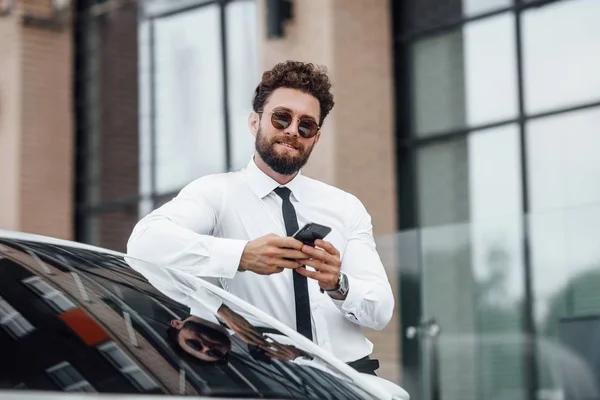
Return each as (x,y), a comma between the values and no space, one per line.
(343,283)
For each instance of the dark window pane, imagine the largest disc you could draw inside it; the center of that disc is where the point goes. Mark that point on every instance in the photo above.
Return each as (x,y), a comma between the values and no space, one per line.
(465,77)
(428,14)
(470,179)
(108,109)
(111,229)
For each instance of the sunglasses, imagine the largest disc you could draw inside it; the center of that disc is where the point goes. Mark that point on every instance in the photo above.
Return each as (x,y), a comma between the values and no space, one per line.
(196,345)
(281,119)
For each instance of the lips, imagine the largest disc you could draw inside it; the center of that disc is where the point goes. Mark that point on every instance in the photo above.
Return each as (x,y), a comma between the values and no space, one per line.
(288,145)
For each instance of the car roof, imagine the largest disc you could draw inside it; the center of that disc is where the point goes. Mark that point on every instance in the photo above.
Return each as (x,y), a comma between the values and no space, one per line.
(9,234)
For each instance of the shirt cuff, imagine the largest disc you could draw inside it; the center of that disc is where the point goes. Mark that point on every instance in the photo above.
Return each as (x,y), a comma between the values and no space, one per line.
(225,256)
(350,306)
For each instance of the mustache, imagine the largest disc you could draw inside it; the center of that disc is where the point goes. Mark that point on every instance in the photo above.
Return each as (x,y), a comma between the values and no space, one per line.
(289,141)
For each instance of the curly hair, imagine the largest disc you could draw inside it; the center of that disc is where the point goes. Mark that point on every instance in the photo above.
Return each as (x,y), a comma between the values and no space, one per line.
(306,77)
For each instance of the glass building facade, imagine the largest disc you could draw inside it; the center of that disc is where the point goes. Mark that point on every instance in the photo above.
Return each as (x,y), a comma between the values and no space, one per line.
(498,107)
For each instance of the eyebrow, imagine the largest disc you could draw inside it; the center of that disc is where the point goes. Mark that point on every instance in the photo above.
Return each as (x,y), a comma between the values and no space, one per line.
(290,110)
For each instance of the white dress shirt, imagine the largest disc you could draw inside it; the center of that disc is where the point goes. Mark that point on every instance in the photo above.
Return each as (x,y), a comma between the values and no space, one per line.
(204,229)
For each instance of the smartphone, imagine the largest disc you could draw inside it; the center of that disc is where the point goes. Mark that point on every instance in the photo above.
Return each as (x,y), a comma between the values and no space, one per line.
(311,232)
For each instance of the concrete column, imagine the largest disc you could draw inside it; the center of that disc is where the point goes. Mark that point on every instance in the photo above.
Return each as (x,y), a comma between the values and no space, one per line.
(36,124)
(10,122)
(353,39)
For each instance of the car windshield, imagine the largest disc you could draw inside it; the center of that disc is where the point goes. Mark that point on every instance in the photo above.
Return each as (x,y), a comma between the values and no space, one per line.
(75,319)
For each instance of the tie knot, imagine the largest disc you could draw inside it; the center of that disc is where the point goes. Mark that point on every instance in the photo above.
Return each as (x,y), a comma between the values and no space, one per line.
(283,192)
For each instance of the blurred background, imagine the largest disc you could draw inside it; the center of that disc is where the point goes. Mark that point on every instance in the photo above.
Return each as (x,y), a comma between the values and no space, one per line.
(469,128)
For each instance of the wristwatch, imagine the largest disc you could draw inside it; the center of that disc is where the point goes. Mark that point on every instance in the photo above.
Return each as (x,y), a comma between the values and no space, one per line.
(342,286)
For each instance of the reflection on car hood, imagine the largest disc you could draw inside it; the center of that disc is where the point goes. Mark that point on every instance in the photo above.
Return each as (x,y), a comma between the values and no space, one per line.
(141,328)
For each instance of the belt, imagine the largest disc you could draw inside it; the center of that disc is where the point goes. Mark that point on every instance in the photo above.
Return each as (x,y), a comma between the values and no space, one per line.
(366,365)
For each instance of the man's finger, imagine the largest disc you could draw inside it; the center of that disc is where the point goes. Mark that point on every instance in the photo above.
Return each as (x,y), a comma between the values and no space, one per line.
(293,254)
(309,274)
(319,266)
(291,264)
(328,247)
(287,242)
(318,254)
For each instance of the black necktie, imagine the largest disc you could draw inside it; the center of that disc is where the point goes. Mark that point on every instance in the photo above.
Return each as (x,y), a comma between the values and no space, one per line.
(303,324)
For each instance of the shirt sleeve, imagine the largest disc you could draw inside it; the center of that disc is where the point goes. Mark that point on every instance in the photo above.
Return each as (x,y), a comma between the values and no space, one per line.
(370,301)
(180,234)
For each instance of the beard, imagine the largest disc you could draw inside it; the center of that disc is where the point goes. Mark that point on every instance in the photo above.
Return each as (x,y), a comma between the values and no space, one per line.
(285,163)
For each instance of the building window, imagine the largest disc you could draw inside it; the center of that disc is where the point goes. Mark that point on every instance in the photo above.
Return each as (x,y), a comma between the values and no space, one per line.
(498,108)
(12,321)
(456,71)
(198,70)
(55,298)
(126,366)
(69,379)
(190,123)
(561,65)
(163,94)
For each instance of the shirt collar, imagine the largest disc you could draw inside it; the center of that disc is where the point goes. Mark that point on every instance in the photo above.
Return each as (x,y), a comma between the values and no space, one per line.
(262,184)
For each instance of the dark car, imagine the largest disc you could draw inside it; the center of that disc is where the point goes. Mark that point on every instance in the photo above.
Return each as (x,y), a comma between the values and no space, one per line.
(75,318)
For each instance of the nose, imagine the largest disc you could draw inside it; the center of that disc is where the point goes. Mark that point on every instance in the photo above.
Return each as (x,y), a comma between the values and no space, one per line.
(293,128)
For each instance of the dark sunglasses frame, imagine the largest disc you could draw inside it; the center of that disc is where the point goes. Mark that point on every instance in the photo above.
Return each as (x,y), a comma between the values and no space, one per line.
(307,128)
(196,345)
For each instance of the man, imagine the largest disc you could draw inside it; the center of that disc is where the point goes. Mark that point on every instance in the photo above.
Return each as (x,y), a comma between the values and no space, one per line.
(234,229)
(209,341)
(205,340)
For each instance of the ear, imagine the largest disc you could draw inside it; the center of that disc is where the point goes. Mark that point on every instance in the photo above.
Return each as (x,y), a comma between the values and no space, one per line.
(253,123)
(176,323)
(317,137)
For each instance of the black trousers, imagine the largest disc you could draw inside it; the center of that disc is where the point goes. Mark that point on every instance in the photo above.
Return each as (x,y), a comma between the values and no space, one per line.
(366,365)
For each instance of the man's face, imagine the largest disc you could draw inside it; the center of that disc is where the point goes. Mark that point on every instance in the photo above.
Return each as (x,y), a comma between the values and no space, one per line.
(284,150)
(202,341)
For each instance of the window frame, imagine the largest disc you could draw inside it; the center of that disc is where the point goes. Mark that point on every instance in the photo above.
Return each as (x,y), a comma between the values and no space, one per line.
(8,315)
(72,387)
(49,295)
(128,370)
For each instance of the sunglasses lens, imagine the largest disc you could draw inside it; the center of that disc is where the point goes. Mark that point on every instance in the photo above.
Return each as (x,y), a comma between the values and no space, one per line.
(194,344)
(307,129)
(281,119)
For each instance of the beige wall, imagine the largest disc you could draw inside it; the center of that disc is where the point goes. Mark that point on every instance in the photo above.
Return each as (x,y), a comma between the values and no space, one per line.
(353,39)
(36,127)
(10,126)
(356,152)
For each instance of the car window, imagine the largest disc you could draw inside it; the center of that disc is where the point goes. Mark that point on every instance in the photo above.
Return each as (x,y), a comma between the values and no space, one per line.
(78,320)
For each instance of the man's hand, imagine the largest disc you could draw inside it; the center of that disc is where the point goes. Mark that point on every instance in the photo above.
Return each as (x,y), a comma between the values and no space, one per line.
(326,261)
(270,254)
